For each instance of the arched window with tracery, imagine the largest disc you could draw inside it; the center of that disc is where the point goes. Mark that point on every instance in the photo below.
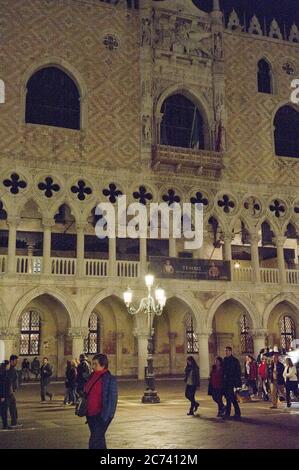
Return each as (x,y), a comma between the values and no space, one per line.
(30,334)
(182,123)
(92,342)
(191,335)
(287,331)
(286,132)
(52,99)
(245,336)
(264,77)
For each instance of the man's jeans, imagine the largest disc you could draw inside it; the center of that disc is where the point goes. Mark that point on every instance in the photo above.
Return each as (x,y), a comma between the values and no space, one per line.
(97,429)
(12,406)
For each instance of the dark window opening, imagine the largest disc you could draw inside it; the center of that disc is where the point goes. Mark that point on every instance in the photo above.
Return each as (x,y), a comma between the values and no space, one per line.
(191,336)
(286,133)
(92,342)
(52,99)
(264,77)
(182,124)
(287,332)
(30,334)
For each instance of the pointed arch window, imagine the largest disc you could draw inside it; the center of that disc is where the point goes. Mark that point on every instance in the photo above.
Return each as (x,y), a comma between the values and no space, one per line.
(92,342)
(245,336)
(182,123)
(264,77)
(52,99)
(286,132)
(30,334)
(191,335)
(287,331)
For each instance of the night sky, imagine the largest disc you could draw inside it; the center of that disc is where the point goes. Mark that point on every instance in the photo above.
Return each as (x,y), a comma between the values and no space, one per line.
(284,11)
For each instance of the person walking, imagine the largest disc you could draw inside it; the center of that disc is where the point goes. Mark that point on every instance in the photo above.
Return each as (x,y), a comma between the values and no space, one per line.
(70,383)
(291,380)
(251,374)
(26,370)
(5,391)
(231,380)
(13,379)
(192,381)
(102,395)
(83,373)
(216,385)
(276,379)
(263,378)
(45,379)
(35,367)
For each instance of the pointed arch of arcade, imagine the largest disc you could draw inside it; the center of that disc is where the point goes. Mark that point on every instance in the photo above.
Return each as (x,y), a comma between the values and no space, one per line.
(196,307)
(287,298)
(70,307)
(92,304)
(244,302)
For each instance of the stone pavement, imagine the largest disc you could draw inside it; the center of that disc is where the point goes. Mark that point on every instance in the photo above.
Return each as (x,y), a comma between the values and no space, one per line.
(162,426)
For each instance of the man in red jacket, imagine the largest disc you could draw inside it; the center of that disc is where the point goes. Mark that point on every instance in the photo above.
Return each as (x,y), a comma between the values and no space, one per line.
(101,392)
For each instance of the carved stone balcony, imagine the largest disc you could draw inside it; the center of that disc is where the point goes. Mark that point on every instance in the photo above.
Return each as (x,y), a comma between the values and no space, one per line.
(189,161)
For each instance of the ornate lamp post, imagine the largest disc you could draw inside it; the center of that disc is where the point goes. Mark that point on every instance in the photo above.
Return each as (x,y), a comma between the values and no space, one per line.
(150,306)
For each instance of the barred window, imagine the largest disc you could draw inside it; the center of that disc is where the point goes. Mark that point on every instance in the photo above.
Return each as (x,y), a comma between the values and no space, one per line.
(287,332)
(92,342)
(264,77)
(30,334)
(191,336)
(246,338)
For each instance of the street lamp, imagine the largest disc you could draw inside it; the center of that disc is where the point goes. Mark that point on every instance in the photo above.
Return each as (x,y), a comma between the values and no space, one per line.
(150,306)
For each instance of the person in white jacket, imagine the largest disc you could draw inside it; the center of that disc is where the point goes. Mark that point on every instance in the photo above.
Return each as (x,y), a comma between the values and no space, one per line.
(291,380)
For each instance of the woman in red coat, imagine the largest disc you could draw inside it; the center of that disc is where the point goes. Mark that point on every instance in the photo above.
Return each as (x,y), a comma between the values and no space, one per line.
(216,385)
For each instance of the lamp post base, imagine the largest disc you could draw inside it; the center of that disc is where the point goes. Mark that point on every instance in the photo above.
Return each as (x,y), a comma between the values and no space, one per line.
(150,396)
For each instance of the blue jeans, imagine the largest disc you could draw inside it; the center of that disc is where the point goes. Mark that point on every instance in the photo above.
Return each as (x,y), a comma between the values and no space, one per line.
(97,429)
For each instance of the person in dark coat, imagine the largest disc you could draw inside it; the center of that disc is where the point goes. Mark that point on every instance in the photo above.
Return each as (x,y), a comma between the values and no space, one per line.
(231,380)
(83,373)
(216,385)
(5,391)
(25,370)
(35,367)
(192,381)
(276,380)
(70,383)
(102,395)
(45,379)
(12,386)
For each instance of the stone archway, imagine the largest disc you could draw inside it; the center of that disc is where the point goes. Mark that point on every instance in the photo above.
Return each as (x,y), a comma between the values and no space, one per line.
(281,318)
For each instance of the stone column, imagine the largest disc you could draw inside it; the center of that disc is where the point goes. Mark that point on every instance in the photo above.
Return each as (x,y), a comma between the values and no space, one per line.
(259,340)
(9,337)
(203,349)
(77,334)
(142,339)
(143,256)
(112,257)
(47,224)
(227,255)
(80,249)
(280,241)
(172,355)
(255,259)
(12,223)
(60,354)
(172,248)
(119,352)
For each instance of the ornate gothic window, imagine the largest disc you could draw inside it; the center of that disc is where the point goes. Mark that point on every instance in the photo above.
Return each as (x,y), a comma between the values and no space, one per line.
(286,132)
(182,124)
(191,336)
(245,336)
(92,342)
(287,331)
(264,77)
(30,334)
(52,99)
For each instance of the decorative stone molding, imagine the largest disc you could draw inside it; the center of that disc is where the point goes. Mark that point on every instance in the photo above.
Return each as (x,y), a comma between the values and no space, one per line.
(275,30)
(77,332)
(255,27)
